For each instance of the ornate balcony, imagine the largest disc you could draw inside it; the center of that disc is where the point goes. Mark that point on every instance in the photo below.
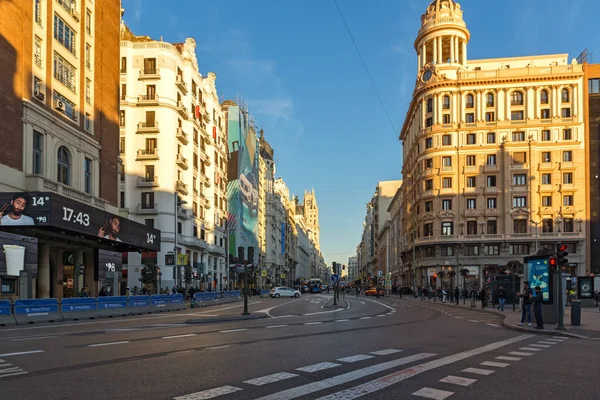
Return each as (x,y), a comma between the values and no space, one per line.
(148,127)
(147,100)
(149,73)
(182,136)
(182,161)
(145,182)
(180,83)
(147,154)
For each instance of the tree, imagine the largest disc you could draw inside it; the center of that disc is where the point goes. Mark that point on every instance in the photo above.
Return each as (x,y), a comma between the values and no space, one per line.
(187,274)
(149,275)
(451,274)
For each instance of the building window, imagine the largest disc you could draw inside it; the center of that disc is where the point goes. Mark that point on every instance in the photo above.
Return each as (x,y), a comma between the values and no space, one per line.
(471,227)
(471,181)
(516,98)
(429,122)
(123,65)
(149,222)
(567,134)
(520,202)
(428,143)
(469,117)
(446,161)
(87,179)
(429,163)
(64,34)
(519,157)
(544,97)
(516,115)
(518,136)
(37,57)
(490,116)
(446,102)
(520,180)
(492,203)
(471,204)
(546,201)
(64,72)
(489,100)
(491,137)
(87,122)
(38,12)
(492,250)
(122,118)
(568,225)
(520,226)
(491,181)
(546,157)
(546,136)
(446,204)
(471,250)
(147,200)
(568,200)
(429,251)
(429,184)
(428,229)
(447,250)
(568,178)
(447,228)
(469,101)
(567,156)
(446,119)
(564,96)
(546,179)
(429,106)
(519,249)
(565,113)
(547,225)
(428,206)
(545,113)
(63,170)
(38,152)
(470,160)
(88,22)
(446,140)
(69,106)
(447,183)
(594,85)
(88,56)
(492,227)
(122,145)
(88,90)
(37,87)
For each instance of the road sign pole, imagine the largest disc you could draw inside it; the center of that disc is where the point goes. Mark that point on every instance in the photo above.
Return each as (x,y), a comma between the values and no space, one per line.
(245,290)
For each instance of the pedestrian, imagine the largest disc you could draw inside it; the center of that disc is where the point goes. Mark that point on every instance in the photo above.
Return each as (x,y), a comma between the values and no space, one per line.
(473,297)
(483,296)
(527,297)
(537,307)
(456,294)
(501,298)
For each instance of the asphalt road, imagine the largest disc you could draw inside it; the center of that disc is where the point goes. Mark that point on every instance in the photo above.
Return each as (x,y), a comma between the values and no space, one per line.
(304,348)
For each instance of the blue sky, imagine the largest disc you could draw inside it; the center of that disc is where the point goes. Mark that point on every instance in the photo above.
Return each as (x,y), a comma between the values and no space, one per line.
(293,62)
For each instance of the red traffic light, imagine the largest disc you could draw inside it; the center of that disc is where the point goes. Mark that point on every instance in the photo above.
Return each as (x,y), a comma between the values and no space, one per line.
(562,247)
(552,262)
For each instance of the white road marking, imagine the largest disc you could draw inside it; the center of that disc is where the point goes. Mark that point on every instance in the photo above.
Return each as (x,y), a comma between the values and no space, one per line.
(270,378)
(107,344)
(555,340)
(386,352)
(562,337)
(217,347)
(473,320)
(355,358)
(366,317)
(520,353)
(362,302)
(459,317)
(505,358)
(399,376)
(318,367)
(209,394)
(434,394)
(275,326)
(494,364)
(544,346)
(494,325)
(234,330)
(33,338)
(342,320)
(479,371)
(268,310)
(313,387)
(546,342)
(530,349)
(458,380)
(381,304)
(179,336)
(313,323)
(381,315)
(21,353)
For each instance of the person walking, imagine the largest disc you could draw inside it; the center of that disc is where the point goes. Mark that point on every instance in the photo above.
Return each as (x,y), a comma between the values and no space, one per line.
(537,308)
(456,294)
(501,298)
(527,297)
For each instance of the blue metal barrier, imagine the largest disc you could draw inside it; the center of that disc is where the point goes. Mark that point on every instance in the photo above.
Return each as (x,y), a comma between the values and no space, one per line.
(5,307)
(77,304)
(176,298)
(160,301)
(36,310)
(112,306)
(139,301)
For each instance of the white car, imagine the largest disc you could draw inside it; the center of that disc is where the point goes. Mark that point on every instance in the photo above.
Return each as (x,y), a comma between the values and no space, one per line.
(284,292)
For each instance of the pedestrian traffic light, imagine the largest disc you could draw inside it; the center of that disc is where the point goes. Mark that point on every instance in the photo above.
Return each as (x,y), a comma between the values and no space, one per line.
(251,255)
(333,267)
(552,263)
(561,254)
(343,267)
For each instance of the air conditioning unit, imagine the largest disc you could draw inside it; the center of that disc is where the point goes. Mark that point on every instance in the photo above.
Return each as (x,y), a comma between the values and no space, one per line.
(59,105)
(38,95)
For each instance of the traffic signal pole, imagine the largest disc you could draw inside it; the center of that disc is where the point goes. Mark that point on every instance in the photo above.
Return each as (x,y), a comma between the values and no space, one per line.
(560,261)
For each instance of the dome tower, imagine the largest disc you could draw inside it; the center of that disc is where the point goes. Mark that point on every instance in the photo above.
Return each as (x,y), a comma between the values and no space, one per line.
(443,37)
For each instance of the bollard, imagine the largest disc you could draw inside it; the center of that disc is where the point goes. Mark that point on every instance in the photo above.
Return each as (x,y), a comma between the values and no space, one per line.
(576,313)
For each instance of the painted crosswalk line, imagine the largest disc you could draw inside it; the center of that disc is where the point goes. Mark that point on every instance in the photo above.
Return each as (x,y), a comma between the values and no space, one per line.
(352,359)
(506,358)
(386,352)
(520,353)
(458,380)
(479,371)
(435,394)
(270,378)
(494,364)
(209,394)
(318,367)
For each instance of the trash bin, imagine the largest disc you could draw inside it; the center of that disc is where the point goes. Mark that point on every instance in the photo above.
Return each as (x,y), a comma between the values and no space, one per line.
(576,313)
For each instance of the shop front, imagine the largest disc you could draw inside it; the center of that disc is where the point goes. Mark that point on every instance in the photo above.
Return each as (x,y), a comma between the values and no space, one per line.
(70,247)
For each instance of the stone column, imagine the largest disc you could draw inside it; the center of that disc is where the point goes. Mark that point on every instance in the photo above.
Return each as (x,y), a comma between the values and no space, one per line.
(435,51)
(530,103)
(423,54)
(574,101)
(441,50)
(464,51)
(500,106)
(43,279)
(452,41)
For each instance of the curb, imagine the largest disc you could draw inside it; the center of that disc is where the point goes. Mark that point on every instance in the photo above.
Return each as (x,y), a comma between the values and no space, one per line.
(226,319)
(518,328)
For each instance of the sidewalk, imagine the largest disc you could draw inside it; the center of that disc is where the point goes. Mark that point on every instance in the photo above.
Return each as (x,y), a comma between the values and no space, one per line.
(589,328)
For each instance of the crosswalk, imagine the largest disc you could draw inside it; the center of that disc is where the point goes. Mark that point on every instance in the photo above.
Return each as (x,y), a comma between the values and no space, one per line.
(394,364)
(7,369)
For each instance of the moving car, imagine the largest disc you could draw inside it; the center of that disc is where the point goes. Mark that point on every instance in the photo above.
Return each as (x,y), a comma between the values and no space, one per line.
(284,292)
(373,291)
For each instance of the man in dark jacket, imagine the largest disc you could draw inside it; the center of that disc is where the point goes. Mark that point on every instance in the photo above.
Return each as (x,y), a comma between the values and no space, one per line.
(537,307)
(527,297)
(501,298)
(456,294)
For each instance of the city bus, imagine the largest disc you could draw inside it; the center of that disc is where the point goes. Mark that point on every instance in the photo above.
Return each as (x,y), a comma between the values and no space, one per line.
(314,285)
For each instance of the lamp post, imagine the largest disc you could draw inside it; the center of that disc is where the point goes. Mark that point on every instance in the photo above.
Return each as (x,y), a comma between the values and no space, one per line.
(536,233)
(177,203)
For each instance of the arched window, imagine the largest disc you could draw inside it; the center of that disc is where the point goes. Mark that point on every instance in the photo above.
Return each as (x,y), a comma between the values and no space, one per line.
(446,103)
(564,95)
(429,105)
(63,167)
(544,97)
(469,101)
(516,98)
(489,100)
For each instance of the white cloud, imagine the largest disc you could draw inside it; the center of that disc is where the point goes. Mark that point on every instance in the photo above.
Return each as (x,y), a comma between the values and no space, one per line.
(276,107)
(137,10)
(252,67)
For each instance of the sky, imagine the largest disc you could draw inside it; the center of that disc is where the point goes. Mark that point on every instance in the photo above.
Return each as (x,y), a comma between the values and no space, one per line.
(294,63)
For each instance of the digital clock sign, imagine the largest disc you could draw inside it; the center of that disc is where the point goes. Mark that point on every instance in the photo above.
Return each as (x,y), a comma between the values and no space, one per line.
(51,210)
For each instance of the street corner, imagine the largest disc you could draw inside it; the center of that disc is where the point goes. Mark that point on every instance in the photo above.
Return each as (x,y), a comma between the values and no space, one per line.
(546,331)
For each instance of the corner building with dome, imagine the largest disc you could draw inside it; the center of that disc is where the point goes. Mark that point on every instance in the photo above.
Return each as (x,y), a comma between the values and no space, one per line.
(494,157)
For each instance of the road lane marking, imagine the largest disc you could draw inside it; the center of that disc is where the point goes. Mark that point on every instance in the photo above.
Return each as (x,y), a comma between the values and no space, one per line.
(381,304)
(33,338)
(270,378)
(234,330)
(107,344)
(217,347)
(275,326)
(459,317)
(479,371)
(318,367)
(544,346)
(473,320)
(342,320)
(209,394)
(555,340)
(546,342)
(313,323)
(381,315)
(458,380)
(494,364)
(356,358)
(494,325)
(520,353)
(399,376)
(434,394)
(313,387)
(530,349)
(505,358)
(385,352)
(268,310)
(21,353)
(366,317)
(179,336)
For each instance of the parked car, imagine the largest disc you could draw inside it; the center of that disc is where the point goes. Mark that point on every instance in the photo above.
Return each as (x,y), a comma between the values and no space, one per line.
(284,292)
(373,291)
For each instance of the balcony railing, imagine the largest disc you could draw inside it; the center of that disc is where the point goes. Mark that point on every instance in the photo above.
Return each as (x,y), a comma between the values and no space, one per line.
(147,208)
(181,84)
(182,161)
(491,168)
(147,154)
(147,181)
(519,166)
(182,136)
(148,99)
(149,73)
(38,60)
(182,110)
(148,127)
(181,187)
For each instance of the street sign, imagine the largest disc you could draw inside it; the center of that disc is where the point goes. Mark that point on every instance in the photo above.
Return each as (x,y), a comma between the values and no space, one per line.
(380,273)
(335,278)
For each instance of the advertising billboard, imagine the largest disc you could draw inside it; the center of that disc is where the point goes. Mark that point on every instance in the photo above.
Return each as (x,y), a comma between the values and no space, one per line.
(539,275)
(242,186)
(45,209)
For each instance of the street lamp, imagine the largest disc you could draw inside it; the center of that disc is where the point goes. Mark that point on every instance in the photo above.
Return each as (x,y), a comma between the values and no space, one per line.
(536,233)
(177,203)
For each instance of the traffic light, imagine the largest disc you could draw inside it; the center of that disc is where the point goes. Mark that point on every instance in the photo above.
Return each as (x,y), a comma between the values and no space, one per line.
(250,255)
(552,263)
(343,267)
(561,254)
(333,267)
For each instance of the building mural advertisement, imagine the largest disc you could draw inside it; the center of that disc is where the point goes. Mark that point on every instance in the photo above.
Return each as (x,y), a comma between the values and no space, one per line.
(242,186)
